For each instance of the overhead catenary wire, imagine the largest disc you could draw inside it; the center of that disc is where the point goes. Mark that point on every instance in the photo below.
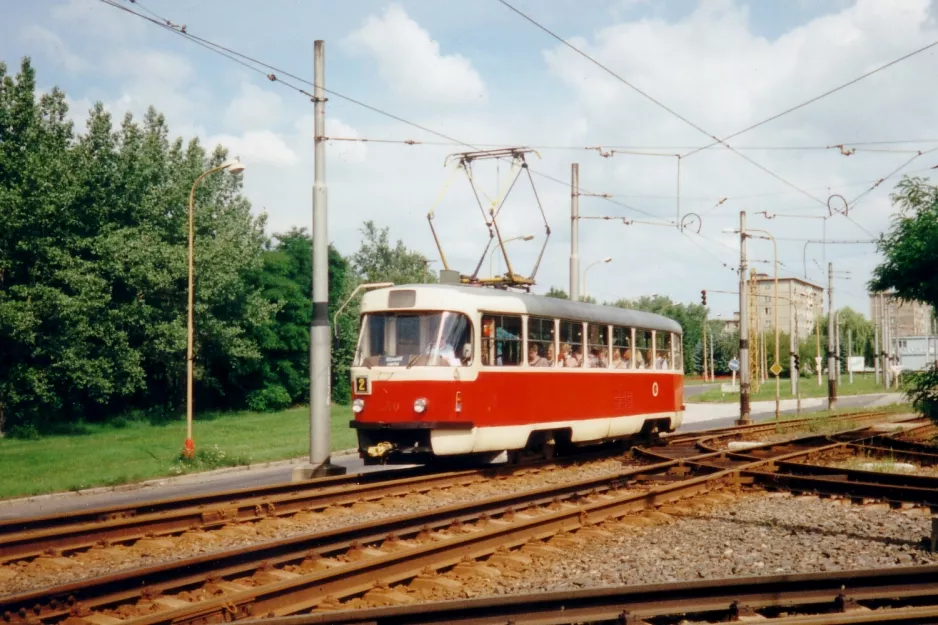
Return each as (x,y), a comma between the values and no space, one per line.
(816,98)
(246,61)
(657,102)
(607,151)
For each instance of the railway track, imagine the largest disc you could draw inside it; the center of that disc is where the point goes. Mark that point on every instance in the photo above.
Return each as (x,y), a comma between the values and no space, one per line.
(70,532)
(319,571)
(899,596)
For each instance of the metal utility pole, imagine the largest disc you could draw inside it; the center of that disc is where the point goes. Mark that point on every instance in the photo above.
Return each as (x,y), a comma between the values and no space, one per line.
(713,376)
(831,361)
(849,353)
(796,361)
(817,334)
(320,345)
(703,356)
(876,368)
(575,232)
(883,341)
(792,369)
(837,351)
(743,327)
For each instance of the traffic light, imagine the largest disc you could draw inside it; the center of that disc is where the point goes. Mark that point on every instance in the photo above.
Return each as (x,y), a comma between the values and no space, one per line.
(797,362)
(703,297)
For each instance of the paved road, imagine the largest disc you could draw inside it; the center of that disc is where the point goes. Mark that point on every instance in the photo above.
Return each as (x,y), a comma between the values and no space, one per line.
(697,389)
(696,418)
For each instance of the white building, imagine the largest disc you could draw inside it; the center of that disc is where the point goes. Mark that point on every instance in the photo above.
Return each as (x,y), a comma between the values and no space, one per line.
(917,353)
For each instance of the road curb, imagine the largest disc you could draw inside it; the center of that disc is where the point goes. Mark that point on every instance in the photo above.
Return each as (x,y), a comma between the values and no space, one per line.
(189,478)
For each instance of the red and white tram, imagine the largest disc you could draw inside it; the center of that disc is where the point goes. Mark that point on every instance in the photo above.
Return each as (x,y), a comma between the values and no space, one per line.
(448,370)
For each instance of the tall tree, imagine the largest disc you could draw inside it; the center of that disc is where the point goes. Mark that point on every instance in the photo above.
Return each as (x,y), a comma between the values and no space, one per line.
(281,378)
(93,281)
(378,261)
(910,255)
(910,247)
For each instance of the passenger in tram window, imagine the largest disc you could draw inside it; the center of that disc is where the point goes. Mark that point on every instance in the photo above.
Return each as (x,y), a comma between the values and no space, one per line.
(603,358)
(626,362)
(661,363)
(650,359)
(616,359)
(639,360)
(593,359)
(534,357)
(578,356)
(551,356)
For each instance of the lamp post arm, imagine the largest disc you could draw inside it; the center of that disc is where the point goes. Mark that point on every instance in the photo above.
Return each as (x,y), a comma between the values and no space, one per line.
(360,287)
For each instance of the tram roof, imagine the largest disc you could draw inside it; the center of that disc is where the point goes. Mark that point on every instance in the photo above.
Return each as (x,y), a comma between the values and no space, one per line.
(537,305)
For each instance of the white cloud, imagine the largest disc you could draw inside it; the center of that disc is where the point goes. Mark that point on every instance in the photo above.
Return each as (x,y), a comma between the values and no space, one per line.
(256,146)
(53,46)
(93,18)
(155,67)
(409,60)
(254,108)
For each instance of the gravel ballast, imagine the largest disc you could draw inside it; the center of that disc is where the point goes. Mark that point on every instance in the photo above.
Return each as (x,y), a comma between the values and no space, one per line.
(761,534)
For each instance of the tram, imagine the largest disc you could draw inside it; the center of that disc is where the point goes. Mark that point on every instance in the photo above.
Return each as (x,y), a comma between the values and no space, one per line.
(454,371)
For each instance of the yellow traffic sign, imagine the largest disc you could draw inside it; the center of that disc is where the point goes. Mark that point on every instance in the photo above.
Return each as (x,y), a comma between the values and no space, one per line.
(775,369)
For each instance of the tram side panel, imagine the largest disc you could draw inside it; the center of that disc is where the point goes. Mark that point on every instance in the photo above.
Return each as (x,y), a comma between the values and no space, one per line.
(500,409)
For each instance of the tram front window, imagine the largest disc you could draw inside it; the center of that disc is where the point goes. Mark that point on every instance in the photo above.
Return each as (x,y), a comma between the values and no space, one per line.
(425,339)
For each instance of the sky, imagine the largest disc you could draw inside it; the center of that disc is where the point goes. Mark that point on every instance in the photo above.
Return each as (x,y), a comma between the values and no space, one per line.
(482,75)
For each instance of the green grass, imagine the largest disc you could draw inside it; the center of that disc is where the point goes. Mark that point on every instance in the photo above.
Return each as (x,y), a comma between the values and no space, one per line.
(821,422)
(106,455)
(862,385)
(699,381)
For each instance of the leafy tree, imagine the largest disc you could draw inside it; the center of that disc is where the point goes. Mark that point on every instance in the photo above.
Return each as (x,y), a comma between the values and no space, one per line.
(910,247)
(282,376)
(910,255)
(93,271)
(377,261)
(557,293)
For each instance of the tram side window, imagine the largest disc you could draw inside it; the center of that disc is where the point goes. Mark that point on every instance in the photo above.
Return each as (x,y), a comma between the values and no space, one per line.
(644,351)
(501,341)
(663,350)
(598,356)
(678,364)
(541,342)
(621,348)
(571,344)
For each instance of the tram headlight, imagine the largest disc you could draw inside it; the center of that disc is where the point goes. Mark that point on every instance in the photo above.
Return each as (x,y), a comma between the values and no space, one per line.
(358,404)
(420,405)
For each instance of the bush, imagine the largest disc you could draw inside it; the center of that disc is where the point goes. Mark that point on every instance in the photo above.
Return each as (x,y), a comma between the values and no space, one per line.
(922,390)
(269,399)
(207,459)
(25,432)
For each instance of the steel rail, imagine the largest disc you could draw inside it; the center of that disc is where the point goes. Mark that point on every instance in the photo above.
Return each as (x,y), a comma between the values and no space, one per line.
(840,595)
(288,592)
(73,531)
(29,537)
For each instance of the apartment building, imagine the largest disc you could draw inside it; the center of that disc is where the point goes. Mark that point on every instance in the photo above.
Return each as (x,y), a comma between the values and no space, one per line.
(799,304)
(905,318)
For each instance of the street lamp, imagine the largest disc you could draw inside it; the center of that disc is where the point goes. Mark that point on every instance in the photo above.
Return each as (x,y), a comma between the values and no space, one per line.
(523,237)
(234,167)
(608,259)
